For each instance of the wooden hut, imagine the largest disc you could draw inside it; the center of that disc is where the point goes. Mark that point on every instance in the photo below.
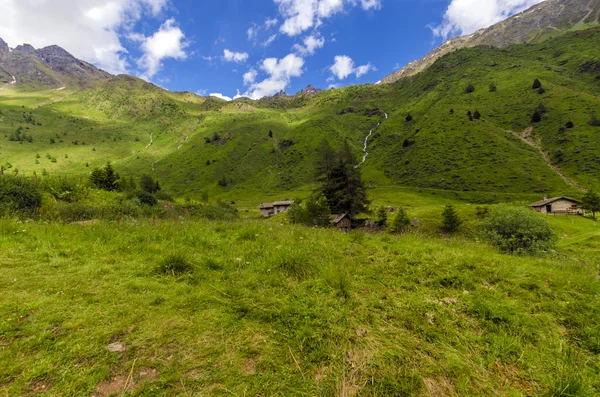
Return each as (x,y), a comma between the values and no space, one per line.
(272,209)
(559,206)
(342,222)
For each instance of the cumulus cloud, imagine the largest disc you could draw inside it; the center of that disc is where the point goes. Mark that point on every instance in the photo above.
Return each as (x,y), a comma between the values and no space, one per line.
(221,96)
(91,30)
(301,15)
(311,44)
(280,73)
(467,16)
(167,42)
(250,77)
(237,57)
(344,66)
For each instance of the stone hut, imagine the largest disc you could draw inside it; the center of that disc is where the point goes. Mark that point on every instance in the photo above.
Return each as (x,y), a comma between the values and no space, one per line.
(558,206)
(267,209)
(342,222)
(272,209)
(282,206)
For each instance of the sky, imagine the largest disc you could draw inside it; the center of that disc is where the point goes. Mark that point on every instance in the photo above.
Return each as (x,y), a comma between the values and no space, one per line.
(252,48)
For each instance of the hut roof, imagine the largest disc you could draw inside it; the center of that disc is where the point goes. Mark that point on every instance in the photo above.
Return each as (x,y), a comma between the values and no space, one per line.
(283,203)
(552,200)
(265,206)
(335,219)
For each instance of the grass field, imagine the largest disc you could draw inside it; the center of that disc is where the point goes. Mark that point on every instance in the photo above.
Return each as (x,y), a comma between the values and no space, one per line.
(274,309)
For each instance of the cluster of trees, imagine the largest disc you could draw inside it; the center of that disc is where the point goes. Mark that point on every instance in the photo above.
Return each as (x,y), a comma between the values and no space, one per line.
(19,136)
(591,202)
(107,179)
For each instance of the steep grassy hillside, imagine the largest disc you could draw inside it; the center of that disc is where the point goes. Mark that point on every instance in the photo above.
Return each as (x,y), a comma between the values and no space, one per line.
(190,143)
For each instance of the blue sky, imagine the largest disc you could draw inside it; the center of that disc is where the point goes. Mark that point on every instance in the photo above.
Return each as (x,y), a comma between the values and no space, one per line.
(249,47)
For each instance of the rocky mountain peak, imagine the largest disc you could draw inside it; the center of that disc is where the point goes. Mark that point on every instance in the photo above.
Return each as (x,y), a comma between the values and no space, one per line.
(310,90)
(280,93)
(26,48)
(3,48)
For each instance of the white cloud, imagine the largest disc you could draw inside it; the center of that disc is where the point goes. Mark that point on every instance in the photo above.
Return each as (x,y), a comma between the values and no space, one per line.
(301,15)
(344,66)
(466,16)
(221,96)
(167,42)
(250,77)
(237,57)
(252,33)
(280,72)
(89,29)
(269,41)
(270,22)
(311,44)
(202,92)
(364,69)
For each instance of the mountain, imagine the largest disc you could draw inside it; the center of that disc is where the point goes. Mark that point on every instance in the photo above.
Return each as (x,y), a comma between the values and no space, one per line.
(310,90)
(270,146)
(50,67)
(547,19)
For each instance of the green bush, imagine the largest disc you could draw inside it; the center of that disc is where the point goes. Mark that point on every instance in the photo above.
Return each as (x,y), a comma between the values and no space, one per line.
(19,194)
(146,198)
(313,212)
(518,231)
(65,190)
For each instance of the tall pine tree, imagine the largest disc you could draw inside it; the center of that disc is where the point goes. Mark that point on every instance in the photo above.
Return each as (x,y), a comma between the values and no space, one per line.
(343,186)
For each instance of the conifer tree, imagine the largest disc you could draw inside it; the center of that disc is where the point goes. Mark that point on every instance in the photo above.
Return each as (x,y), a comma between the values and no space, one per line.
(451,222)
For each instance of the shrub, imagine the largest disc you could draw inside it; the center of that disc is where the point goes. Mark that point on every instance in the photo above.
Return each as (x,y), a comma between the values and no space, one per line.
(175,265)
(19,194)
(146,198)
(477,115)
(451,221)
(313,212)
(536,84)
(148,184)
(569,125)
(518,231)
(594,121)
(409,118)
(469,89)
(382,217)
(401,222)
(536,117)
(493,87)
(65,190)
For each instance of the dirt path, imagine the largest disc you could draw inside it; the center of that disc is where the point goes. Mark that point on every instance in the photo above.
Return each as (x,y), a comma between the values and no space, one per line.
(526,136)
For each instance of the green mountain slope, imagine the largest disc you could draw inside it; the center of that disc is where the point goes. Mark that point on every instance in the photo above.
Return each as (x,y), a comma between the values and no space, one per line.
(547,19)
(190,143)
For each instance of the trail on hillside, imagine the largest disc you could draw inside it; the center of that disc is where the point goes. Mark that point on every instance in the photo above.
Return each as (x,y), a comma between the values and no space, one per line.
(526,136)
(366,154)
(151,141)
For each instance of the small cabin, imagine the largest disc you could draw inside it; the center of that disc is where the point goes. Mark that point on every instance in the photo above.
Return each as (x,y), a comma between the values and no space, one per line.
(267,209)
(282,206)
(272,209)
(558,206)
(342,222)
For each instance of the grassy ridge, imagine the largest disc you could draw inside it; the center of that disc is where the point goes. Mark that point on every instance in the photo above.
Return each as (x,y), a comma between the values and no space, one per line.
(279,309)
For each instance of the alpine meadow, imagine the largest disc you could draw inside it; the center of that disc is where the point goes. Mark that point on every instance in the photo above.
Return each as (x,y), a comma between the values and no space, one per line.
(432,234)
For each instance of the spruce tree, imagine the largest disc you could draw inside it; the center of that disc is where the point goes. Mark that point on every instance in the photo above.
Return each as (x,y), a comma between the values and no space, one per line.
(451,222)
(343,186)
(537,84)
(477,115)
